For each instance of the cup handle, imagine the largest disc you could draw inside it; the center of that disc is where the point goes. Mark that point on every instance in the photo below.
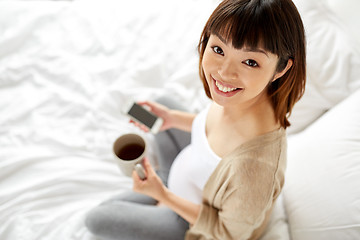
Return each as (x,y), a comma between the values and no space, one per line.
(140,171)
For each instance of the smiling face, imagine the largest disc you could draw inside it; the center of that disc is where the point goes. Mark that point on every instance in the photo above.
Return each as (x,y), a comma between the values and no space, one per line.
(232,74)
(237,76)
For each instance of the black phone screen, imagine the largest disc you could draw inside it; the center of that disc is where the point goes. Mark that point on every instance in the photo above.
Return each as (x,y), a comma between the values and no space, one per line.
(141,114)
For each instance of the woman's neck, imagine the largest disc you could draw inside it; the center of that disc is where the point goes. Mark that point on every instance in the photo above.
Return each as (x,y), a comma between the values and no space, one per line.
(254,119)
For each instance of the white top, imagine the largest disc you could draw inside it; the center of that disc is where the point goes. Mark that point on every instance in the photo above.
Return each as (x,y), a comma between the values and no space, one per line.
(194,164)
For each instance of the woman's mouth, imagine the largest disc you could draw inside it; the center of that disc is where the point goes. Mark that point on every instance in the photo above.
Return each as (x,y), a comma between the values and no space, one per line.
(227,90)
(223,88)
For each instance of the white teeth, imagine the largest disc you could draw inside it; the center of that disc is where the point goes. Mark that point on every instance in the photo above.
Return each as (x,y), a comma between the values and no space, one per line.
(224,89)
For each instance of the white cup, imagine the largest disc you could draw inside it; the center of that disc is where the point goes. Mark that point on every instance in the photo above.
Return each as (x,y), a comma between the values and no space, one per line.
(129,150)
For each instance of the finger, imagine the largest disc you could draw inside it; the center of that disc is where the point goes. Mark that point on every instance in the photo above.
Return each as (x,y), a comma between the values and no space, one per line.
(145,129)
(141,126)
(136,182)
(142,103)
(135,177)
(145,103)
(148,168)
(150,106)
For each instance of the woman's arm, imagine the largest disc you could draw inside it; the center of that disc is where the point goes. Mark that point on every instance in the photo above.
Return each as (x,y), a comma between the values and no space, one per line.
(182,120)
(186,209)
(153,187)
(172,118)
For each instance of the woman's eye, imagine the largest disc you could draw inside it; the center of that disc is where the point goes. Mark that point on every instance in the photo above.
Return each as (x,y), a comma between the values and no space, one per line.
(218,50)
(251,63)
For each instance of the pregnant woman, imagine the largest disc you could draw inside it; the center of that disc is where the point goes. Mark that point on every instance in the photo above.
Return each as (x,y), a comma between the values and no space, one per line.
(223,185)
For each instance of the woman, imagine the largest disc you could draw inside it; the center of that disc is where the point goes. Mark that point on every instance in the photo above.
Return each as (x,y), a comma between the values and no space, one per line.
(225,183)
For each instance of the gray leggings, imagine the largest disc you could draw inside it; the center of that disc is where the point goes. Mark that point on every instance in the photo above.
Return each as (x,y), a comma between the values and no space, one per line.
(133,216)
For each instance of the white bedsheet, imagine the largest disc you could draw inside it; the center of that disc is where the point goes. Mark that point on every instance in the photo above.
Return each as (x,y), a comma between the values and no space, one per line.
(65,69)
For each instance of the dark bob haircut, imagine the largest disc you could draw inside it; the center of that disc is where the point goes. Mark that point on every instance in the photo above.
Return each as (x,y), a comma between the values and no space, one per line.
(275,26)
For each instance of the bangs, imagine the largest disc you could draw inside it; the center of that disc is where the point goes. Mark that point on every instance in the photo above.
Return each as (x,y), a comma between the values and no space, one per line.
(252,25)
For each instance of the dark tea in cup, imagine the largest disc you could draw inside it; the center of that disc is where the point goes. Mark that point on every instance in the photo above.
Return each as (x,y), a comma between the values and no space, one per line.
(129,150)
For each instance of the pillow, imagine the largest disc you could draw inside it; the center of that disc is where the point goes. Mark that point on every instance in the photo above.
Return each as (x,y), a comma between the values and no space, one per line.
(322,187)
(333,60)
(347,11)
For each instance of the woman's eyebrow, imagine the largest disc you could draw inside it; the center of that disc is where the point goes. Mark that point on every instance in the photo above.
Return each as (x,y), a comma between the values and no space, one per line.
(256,50)
(221,38)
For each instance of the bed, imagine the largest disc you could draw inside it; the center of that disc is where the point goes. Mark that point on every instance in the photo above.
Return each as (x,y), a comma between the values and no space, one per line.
(66,67)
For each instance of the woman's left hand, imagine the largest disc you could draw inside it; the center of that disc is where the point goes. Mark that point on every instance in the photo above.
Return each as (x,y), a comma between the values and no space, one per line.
(152,185)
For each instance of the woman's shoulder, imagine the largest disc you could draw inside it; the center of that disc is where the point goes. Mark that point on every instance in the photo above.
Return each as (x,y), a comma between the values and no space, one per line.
(264,155)
(266,144)
(254,169)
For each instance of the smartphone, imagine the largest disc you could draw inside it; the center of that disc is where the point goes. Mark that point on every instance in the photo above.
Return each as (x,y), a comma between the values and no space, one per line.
(141,115)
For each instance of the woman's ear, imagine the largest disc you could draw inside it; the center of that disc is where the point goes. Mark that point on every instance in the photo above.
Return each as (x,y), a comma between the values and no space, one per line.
(280,74)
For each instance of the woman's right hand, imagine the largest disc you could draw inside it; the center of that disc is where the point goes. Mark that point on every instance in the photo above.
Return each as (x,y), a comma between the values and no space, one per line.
(159,110)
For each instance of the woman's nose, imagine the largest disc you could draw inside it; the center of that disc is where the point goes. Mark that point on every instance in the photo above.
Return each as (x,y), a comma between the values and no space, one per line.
(228,70)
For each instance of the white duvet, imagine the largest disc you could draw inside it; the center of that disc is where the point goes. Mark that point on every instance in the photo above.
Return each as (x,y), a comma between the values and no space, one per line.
(65,69)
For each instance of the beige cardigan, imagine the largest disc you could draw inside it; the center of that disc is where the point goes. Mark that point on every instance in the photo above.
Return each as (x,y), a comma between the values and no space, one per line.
(240,194)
